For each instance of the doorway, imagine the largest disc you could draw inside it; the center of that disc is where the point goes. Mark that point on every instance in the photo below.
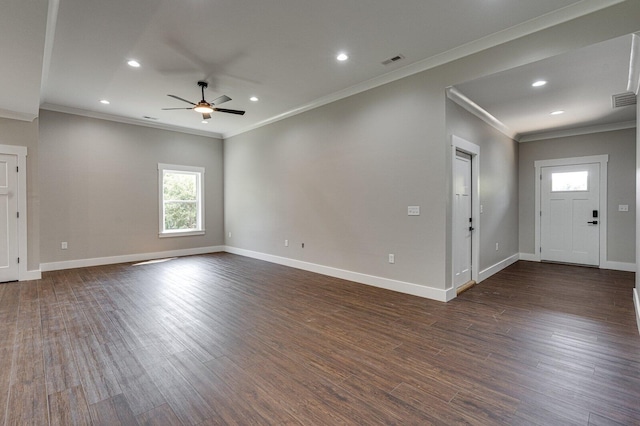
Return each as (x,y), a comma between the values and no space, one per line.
(13,213)
(571,214)
(570,204)
(8,218)
(463,221)
(465,212)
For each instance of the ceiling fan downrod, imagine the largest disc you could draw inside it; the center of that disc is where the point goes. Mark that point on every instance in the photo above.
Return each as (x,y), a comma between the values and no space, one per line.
(203,85)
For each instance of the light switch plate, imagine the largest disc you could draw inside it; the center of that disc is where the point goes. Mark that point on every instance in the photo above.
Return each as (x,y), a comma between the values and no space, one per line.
(413,210)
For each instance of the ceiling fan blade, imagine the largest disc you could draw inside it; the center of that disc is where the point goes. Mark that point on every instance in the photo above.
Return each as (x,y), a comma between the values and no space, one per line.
(221,99)
(167,109)
(180,99)
(206,116)
(230,111)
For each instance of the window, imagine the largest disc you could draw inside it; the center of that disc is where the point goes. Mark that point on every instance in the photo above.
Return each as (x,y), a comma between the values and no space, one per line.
(570,181)
(181,195)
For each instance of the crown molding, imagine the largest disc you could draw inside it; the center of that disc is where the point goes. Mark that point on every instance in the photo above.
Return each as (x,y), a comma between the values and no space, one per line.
(17,115)
(548,20)
(126,120)
(633,85)
(577,131)
(52,20)
(459,98)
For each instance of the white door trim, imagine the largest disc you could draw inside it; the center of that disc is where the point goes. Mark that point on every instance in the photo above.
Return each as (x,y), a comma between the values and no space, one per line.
(602,160)
(459,144)
(21,153)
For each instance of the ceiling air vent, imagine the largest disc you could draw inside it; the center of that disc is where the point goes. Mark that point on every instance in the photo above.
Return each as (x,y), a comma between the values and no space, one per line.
(393,59)
(624,99)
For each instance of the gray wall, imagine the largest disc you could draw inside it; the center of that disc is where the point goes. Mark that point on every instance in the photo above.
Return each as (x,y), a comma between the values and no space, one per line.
(340,177)
(22,133)
(621,147)
(498,178)
(99,186)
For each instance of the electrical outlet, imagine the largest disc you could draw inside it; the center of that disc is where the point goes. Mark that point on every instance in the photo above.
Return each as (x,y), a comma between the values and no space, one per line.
(497,246)
(229,234)
(413,211)
(63,245)
(392,258)
(286,243)
(481,209)
(623,207)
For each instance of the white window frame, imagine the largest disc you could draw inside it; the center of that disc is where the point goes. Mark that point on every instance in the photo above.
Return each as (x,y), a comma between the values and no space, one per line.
(199,172)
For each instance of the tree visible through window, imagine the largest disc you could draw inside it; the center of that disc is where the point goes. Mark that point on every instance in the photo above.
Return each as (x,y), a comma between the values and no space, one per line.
(181,200)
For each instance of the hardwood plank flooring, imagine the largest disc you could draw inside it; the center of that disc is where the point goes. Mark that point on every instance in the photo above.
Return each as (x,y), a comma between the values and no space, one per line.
(222,339)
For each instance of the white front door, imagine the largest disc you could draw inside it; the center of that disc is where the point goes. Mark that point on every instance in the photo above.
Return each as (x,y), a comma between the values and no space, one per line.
(462,225)
(570,216)
(8,218)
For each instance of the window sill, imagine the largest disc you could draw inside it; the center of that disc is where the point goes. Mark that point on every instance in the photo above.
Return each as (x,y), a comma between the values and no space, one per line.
(180,234)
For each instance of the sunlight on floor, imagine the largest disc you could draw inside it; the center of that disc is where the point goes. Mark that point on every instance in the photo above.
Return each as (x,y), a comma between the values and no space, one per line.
(150,262)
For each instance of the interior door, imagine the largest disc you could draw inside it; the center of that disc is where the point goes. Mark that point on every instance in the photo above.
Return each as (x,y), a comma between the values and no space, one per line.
(570,200)
(462,225)
(8,218)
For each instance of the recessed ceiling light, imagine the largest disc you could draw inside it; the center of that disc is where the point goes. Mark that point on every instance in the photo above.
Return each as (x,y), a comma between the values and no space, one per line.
(133,63)
(557,112)
(342,57)
(204,122)
(539,83)
(254,99)
(104,101)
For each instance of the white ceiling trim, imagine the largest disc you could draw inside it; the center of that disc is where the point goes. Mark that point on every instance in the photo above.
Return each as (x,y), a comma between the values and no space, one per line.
(126,120)
(577,131)
(459,98)
(52,19)
(16,115)
(634,65)
(548,20)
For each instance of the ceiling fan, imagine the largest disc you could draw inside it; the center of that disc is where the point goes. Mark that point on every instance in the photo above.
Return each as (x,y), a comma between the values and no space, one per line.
(206,108)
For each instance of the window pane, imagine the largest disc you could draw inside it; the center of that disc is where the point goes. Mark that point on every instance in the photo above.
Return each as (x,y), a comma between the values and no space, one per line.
(179,186)
(180,215)
(181,200)
(570,181)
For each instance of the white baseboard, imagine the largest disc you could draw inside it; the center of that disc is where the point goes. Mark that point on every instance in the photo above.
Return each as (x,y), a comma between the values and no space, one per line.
(619,266)
(636,300)
(138,257)
(529,257)
(386,283)
(491,270)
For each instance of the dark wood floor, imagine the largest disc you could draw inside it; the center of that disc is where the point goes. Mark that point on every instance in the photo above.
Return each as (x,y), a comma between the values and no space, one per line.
(222,339)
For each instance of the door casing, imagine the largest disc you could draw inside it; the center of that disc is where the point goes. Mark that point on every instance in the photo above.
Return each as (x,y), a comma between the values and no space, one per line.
(603,160)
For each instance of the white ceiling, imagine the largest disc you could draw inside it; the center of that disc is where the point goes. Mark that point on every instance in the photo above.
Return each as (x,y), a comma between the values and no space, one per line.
(282,51)
(581,83)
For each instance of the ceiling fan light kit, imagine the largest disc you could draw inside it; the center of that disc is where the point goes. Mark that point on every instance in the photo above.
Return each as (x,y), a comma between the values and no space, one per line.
(205,108)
